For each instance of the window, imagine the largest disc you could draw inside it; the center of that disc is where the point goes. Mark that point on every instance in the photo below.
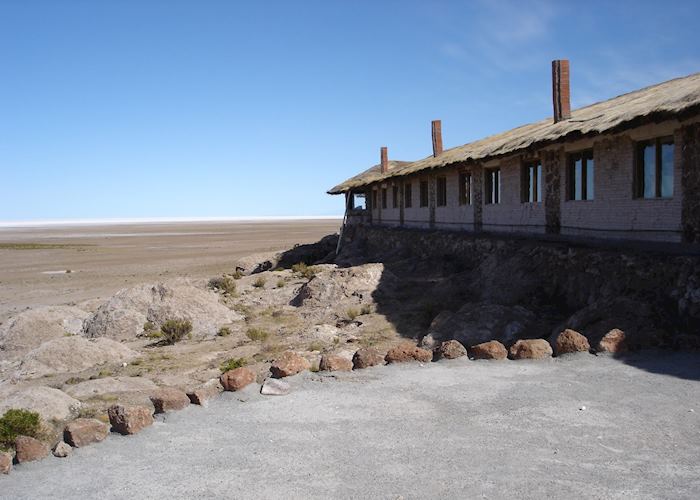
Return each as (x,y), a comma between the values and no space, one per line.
(581,175)
(532,182)
(357,201)
(395,197)
(654,169)
(423,193)
(407,195)
(465,188)
(383,197)
(493,185)
(374,199)
(441,191)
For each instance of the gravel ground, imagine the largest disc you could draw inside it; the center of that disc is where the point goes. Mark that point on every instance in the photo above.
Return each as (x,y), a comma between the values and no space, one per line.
(453,429)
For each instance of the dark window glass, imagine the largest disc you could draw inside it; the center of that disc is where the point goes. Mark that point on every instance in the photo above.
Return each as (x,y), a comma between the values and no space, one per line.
(649,158)
(423,193)
(374,200)
(465,188)
(441,191)
(667,170)
(383,197)
(581,176)
(407,195)
(395,197)
(654,170)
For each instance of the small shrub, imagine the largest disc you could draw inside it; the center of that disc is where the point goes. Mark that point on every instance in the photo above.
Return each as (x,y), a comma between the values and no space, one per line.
(223,284)
(154,334)
(257,334)
(232,364)
(303,270)
(74,380)
(149,326)
(237,274)
(280,283)
(366,309)
(18,423)
(174,330)
(224,331)
(260,282)
(316,346)
(352,313)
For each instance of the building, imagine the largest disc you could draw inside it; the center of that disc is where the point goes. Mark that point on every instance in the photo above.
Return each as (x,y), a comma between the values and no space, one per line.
(625,168)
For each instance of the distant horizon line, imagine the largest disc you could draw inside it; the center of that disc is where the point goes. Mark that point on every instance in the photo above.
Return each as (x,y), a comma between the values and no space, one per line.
(156,220)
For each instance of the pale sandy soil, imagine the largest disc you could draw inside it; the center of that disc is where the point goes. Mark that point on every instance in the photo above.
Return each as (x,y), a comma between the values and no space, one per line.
(109,257)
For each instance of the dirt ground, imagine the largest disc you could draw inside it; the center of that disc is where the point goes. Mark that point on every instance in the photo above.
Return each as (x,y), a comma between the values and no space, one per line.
(104,258)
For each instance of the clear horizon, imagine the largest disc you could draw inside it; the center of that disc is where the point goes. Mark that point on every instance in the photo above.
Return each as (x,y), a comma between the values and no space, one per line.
(181,110)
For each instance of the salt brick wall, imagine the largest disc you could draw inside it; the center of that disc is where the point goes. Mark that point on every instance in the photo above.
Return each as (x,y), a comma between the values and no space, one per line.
(454,215)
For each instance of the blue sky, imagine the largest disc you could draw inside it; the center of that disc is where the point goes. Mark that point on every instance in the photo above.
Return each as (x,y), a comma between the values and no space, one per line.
(223,108)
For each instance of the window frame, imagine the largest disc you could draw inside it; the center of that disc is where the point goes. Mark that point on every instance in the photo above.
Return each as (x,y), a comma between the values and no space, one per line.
(424,198)
(375,205)
(638,186)
(526,194)
(384,198)
(408,195)
(441,191)
(490,191)
(395,196)
(465,188)
(584,155)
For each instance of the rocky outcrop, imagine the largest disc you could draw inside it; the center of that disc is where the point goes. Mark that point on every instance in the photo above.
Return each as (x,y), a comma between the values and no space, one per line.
(84,431)
(110,385)
(489,350)
(570,341)
(408,352)
(29,449)
(73,354)
(237,379)
(288,364)
(129,419)
(450,349)
(29,329)
(167,399)
(613,341)
(475,323)
(51,404)
(257,263)
(366,357)
(123,316)
(335,363)
(530,349)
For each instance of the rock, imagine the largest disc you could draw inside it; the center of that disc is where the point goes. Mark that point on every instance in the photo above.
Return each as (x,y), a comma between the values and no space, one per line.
(489,350)
(478,322)
(62,450)
(325,332)
(122,317)
(5,462)
(29,449)
(335,363)
(366,357)
(429,342)
(257,262)
(275,387)
(408,352)
(237,379)
(571,341)
(288,364)
(110,385)
(85,431)
(129,419)
(72,354)
(169,399)
(450,349)
(310,253)
(613,341)
(530,349)
(29,329)
(51,404)
(201,395)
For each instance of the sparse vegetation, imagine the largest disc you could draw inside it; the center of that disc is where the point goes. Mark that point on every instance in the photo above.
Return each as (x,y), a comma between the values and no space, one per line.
(316,345)
(257,334)
(224,331)
(232,364)
(303,270)
(224,284)
(366,309)
(74,380)
(237,274)
(352,313)
(259,282)
(18,423)
(174,330)
(280,283)
(149,326)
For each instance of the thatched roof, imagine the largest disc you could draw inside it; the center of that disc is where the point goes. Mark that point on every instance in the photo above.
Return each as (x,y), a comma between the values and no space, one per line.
(671,99)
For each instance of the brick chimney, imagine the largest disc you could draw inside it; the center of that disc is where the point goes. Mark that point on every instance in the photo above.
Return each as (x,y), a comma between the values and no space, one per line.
(437,137)
(385,160)
(561,94)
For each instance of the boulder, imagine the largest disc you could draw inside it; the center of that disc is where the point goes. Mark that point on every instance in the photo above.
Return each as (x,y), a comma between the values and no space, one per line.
(110,385)
(408,352)
(289,363)
(257,262)
(51,404)
(478,322)
(201,395)
(122,317)
(29,449)
(334,363)
(613,341)
(571,341)
(62,450)
(5,462)
(366,357)
(29,329)
(275,387)
(237,379)
(72,354)
(530,349)
(129,419)
(489,350)
(450,349)
(85,431)
(169,399)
